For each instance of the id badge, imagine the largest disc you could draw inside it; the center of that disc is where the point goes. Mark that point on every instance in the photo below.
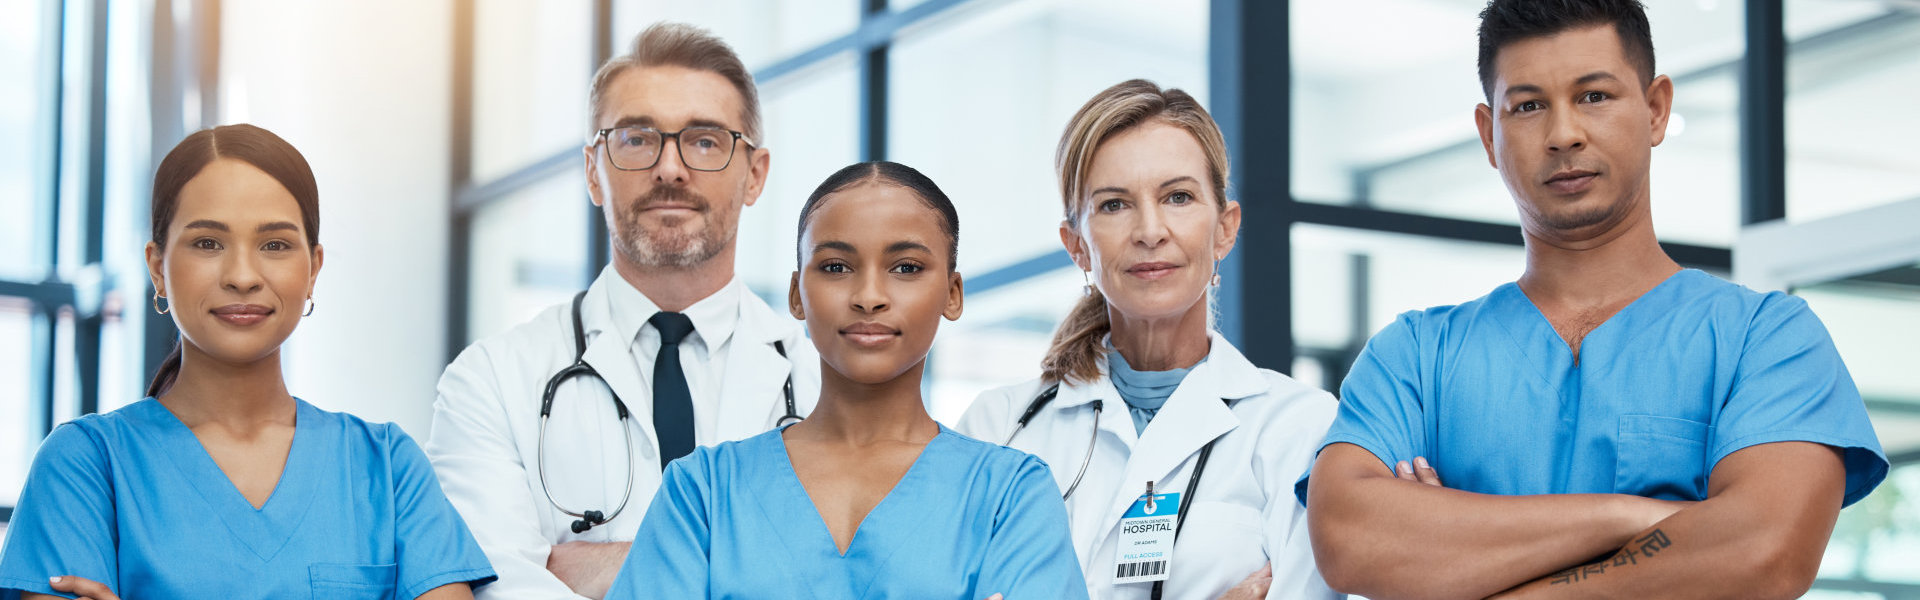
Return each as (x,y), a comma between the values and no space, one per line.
(1146,539)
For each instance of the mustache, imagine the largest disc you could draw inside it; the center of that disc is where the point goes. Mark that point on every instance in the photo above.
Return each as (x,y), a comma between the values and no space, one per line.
(672,195)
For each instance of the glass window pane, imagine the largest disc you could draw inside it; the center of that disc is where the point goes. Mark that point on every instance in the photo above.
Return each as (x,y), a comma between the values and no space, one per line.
(532,64)
(1850,65)
(980,96)
(66,378)
(1878,538)
(999,341)
(1873,325)
(812,120)
(761,31)
(1391,124)
(24,158)
(120,378)
(20,431)
(1401,273)
(511,275)
(1873,321)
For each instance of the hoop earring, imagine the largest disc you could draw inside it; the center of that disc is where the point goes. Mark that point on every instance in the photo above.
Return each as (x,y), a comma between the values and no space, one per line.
(156,304)
(310,304)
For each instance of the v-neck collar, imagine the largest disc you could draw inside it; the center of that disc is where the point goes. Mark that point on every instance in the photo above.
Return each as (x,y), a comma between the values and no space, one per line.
(801,531)
(265,530)
(880,510)
(1539,343)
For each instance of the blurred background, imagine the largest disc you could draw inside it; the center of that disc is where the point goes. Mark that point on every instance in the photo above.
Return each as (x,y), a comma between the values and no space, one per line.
(446,135)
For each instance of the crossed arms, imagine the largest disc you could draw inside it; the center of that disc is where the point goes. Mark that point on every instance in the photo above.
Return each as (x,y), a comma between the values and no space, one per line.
(1759,534)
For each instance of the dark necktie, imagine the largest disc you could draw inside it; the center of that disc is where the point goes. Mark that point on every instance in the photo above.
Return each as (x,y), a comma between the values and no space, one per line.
(672,402)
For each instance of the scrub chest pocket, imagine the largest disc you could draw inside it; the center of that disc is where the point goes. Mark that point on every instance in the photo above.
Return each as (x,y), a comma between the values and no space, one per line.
(353,582)
(1661,457)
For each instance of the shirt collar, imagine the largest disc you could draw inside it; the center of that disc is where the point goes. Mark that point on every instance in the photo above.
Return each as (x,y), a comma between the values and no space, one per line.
(714,317)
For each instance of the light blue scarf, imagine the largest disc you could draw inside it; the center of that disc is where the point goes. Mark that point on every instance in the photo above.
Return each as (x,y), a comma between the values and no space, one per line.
(1144,391)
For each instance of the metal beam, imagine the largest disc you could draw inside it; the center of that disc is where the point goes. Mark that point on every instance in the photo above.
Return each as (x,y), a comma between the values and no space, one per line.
(86,327)
(45,293)
(1045,262)
(165,113)
(1250,72)
(1334,215)
(1902,459)
(1763,114)
(459,176)
(1891,21)
(873,86)
(875,32)
(599,240)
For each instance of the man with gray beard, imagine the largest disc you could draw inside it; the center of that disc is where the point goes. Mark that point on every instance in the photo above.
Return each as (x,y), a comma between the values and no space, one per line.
(550,438)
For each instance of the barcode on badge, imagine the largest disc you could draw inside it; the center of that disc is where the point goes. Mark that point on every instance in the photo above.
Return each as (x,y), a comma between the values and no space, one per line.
(1141,569)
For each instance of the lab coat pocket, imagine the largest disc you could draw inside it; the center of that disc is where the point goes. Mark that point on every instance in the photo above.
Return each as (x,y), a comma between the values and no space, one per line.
(1661,457)
(353,582)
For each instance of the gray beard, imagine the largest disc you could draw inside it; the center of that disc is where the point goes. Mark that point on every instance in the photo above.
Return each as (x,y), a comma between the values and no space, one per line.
(672,250)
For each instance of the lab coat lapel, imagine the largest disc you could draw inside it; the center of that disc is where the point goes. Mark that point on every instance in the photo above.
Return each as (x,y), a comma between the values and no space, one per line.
(1192,417)
(613,359)
(750,396)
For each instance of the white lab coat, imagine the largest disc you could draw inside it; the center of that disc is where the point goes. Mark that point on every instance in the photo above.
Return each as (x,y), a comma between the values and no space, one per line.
(486,428)
(1244,513)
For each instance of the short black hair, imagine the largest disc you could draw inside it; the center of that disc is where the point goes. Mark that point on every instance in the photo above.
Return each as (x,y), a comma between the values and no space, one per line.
(1508,21)
(891,173)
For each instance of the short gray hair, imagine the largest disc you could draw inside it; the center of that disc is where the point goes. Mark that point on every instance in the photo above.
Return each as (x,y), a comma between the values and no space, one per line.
(682,45)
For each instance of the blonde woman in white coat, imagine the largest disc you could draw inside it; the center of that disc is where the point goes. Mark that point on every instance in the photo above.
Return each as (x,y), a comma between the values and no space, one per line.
(1138,390)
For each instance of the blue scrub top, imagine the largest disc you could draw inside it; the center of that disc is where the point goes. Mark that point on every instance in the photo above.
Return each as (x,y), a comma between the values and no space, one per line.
(132,500)
(1690,372)
(968,520)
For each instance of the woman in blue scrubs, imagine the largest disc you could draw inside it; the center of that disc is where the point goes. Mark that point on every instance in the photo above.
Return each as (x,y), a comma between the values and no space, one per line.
(220,483)
(869,497)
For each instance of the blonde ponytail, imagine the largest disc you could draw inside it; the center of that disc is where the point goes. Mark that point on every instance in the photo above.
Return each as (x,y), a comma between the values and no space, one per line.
(1074,355)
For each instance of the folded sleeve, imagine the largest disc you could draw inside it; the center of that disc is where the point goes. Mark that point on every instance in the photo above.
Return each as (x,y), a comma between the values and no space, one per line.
(1030,553)
(671,553)
(64,522)
(1790,385)
(433,545)
(1380,402)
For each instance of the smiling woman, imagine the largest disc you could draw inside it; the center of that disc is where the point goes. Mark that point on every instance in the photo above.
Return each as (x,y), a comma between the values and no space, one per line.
(838,504)
(313,503)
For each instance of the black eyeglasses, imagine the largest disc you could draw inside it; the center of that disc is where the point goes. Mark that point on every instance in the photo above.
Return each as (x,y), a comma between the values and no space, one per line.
(701,148)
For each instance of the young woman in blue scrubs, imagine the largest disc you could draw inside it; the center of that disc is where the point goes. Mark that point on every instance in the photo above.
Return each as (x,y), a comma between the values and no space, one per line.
(868,497)
(220,483)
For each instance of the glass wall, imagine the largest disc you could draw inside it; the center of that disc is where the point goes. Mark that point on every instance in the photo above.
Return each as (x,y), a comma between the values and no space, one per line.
(979,100)
(73,149)
(975,93)
(1849,65)
(1390,124)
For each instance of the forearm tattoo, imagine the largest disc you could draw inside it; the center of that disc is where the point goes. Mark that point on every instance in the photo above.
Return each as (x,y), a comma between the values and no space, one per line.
(1642,548)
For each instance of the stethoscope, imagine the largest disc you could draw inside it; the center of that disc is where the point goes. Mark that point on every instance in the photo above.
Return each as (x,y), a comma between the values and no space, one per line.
(1033,408)
(588,519)
(1193,483)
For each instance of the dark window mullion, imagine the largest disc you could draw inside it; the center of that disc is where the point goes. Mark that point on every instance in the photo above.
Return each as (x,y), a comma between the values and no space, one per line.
(459,177)
(598,240)
(873,92)
(1763,115)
